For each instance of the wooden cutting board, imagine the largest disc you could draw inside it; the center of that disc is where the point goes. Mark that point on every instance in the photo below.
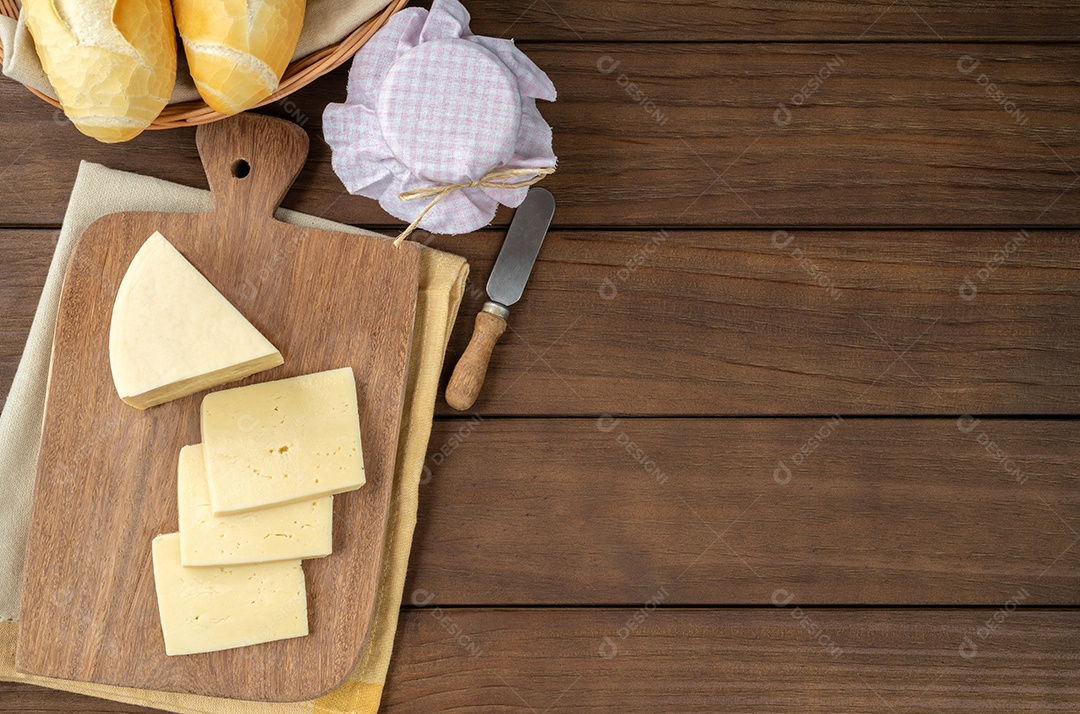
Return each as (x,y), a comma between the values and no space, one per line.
(106,482)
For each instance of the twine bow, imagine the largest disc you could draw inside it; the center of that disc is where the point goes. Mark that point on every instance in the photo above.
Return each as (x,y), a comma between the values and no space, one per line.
(497,178)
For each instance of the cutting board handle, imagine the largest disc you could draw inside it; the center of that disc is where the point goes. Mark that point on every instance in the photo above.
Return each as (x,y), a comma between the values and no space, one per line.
(251,161)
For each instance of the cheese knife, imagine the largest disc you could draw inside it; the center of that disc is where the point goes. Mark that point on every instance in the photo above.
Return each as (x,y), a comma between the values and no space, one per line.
(504,288)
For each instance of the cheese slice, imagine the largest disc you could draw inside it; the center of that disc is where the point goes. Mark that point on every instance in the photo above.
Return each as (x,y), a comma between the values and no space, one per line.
(210,609)
(297,530)
(173,334)
(282,442)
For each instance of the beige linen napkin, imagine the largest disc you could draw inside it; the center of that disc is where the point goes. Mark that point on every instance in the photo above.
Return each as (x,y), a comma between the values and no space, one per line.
(97,192)
(325,23)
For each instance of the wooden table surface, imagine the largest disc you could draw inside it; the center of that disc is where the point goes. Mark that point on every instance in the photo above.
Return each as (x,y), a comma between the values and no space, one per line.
(725,459)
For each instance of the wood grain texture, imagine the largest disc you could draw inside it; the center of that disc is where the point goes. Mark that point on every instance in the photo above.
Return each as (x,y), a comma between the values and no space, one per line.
(895,135)
(469,373)
(791,322)
(725,511)
(721,660)
(773,20)
(729,322)
(669,117)
(735,660)
(106,474)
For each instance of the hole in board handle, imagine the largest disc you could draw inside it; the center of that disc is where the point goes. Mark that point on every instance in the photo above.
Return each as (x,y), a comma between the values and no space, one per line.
(241,168)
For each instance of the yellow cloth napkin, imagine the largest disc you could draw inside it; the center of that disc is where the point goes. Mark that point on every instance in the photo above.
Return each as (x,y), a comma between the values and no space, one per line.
(97,192)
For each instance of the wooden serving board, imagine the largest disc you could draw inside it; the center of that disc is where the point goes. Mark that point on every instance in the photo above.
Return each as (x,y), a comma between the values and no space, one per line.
(106,482)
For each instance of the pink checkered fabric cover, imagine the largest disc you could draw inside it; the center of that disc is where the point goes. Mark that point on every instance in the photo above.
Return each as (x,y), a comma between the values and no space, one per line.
(429,103)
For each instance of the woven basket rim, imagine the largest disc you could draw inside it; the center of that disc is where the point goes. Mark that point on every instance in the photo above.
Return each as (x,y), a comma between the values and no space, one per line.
(299,73)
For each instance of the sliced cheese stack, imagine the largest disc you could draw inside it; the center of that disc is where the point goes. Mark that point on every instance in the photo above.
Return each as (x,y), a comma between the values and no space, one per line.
(173,334)
(209,609)
(296,530)
(254,499)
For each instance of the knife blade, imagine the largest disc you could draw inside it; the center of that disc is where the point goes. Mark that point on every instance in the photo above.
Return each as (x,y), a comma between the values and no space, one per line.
(504,287)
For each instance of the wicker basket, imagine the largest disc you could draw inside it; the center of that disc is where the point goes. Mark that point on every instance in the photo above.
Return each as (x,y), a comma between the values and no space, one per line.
(299,74)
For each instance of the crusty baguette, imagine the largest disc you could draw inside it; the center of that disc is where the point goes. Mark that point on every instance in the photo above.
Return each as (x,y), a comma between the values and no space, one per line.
(237,50)
(112,63)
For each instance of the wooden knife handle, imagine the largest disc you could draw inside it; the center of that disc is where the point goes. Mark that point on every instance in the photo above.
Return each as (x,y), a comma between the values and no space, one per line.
(471,369)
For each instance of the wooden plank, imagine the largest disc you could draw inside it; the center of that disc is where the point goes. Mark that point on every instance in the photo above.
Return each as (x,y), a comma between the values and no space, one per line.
(688,134)
(733,660)
(757,660)
(726,511)
(24,262)
(795,322)
(783,21)
(737,322)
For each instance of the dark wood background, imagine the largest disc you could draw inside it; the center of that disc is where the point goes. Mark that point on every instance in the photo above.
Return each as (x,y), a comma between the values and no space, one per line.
(614,527)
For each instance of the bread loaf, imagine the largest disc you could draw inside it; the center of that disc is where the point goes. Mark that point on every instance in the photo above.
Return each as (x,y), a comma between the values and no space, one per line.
(112,63)
(237,50)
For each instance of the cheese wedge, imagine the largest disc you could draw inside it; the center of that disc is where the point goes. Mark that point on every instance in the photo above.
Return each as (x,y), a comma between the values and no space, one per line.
(298,530)
(210,609)
(282,442)
(173,334)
